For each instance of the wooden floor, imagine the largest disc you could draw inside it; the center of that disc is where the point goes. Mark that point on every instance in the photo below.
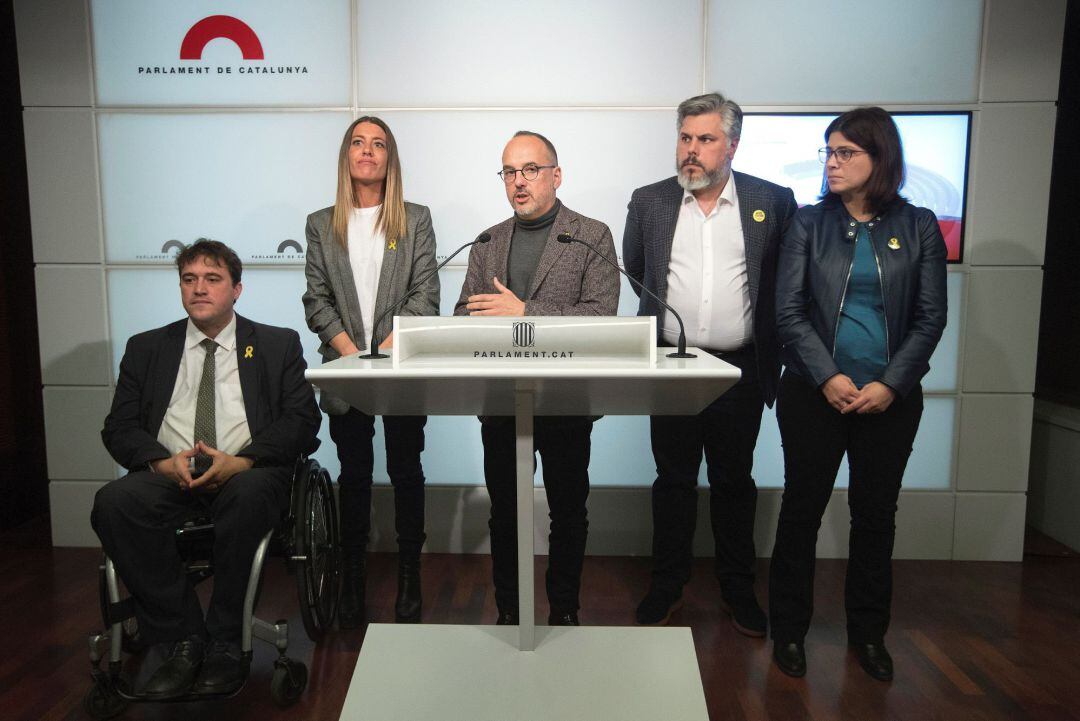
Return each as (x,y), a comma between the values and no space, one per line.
(970,640)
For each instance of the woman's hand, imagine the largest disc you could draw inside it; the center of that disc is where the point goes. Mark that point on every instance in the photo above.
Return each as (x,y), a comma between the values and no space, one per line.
(840,391)
(875,397)
(343,344)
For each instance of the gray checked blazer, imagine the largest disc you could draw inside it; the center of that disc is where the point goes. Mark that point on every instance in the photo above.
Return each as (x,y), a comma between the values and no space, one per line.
(651,216)
(569,279)
(331,303)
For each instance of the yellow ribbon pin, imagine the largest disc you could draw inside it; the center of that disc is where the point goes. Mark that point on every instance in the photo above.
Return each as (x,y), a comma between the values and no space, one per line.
(894,244)
(391,245)
(249,352)
(759,215)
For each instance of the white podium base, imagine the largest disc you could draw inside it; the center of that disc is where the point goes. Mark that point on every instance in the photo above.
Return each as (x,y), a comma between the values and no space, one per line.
(477,673)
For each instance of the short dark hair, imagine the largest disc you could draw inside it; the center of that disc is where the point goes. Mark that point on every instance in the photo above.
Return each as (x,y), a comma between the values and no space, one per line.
(873,130)
(215,250)
(547,143)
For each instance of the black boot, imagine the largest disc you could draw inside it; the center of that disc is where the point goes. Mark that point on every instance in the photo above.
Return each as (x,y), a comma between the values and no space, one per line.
(408,604)
(352,613)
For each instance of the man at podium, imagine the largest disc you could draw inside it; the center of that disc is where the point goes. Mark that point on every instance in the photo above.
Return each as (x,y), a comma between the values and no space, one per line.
(523,270)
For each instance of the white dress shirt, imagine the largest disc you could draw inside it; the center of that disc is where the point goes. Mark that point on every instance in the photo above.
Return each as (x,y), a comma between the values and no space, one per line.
(177,431)
(366,249)
(707,277)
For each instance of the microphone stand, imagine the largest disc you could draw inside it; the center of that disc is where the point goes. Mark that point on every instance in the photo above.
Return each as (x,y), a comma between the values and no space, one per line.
(681,350)
(374,353)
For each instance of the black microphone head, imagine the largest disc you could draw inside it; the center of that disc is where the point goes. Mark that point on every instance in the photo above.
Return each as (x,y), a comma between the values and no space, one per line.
(564,238)
(483,237)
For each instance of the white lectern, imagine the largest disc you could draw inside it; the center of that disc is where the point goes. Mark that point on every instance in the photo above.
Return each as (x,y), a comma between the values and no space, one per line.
(526,367)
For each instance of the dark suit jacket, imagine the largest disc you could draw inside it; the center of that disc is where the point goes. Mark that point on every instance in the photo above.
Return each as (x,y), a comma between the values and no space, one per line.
(569,278)
(279,402)
(650,227)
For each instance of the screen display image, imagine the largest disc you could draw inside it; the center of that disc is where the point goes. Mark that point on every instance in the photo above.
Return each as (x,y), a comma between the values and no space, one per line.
(783,148)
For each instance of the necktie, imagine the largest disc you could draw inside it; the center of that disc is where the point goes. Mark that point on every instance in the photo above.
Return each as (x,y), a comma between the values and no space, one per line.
(205,426)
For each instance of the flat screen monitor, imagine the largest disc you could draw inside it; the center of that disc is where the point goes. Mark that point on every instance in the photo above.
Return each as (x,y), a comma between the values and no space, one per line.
(783,148)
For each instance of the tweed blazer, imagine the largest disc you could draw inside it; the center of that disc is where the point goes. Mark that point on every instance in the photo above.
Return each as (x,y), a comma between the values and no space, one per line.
(569,279)
(651,217)
(331,303)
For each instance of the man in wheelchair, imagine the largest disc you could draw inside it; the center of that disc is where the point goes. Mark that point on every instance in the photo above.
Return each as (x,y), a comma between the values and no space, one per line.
(209,416)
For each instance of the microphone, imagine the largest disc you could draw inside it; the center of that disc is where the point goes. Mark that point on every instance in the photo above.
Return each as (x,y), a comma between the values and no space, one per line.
(373,353)
(681,351)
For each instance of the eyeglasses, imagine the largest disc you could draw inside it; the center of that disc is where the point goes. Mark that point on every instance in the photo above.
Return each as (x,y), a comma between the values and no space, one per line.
(842,154)
(530,172)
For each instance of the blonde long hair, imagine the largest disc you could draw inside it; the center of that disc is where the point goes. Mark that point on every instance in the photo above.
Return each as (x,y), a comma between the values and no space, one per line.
(391,219)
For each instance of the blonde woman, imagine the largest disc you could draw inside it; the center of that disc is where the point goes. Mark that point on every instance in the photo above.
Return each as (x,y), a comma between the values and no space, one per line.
(363,253)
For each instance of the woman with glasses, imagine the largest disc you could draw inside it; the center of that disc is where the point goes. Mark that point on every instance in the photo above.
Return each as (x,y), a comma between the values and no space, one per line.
(363,253)
(860,306)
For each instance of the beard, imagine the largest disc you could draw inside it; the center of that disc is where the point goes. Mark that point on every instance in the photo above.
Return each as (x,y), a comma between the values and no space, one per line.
(704,180)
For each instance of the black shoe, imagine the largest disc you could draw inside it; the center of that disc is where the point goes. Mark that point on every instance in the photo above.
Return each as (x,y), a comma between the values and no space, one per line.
(224,669)
(352,613)
(408,604)
(507,618)
(875,660)
(567,618)
(657,606)
(746,615)
(790,658)
(175,677)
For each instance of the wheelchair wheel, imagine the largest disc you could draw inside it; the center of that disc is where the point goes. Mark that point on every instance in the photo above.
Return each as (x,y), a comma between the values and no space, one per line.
(102,701)
(288,682)
(316,541)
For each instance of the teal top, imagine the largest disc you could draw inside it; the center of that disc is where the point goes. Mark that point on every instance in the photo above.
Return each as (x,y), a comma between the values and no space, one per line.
(861,350)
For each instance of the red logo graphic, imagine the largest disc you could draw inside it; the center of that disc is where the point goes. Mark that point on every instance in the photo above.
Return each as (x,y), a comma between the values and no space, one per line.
(221,26)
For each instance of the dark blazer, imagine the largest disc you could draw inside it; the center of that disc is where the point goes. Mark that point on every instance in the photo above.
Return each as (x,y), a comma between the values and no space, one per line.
(569,278)
(651,217)
(812,277)
(278,400)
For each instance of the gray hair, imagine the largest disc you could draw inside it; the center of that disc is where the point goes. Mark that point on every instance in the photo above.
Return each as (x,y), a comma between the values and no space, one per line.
(730,113)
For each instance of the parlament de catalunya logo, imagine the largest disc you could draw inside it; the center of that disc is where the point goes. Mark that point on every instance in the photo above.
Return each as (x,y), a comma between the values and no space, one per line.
(228,27)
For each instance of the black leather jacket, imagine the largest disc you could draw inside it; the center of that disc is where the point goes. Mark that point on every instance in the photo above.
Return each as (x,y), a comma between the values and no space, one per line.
(815,261)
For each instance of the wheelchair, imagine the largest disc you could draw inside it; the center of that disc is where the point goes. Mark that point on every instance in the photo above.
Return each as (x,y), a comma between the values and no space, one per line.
(308,540)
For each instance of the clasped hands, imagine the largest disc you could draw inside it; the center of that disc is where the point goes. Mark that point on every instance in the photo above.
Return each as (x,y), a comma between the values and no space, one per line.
(502,303)
(223,466)
(841,393)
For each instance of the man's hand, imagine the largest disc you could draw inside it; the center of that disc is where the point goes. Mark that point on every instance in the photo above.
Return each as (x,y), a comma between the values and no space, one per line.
(222,467)
(388,342)
(176,467)
(875,397)
(840,391)
(502,303)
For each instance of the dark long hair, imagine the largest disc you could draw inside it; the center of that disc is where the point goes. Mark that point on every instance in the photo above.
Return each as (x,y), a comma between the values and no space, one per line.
(873,130)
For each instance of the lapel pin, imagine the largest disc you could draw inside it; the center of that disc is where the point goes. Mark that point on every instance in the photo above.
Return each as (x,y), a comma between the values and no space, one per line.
(391,245)
(894,244)
(249,352)
(759,215)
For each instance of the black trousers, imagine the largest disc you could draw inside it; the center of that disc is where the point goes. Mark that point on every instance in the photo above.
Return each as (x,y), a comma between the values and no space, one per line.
(726,431)
(404,436)
(564,444)
(136,518)
(815,437)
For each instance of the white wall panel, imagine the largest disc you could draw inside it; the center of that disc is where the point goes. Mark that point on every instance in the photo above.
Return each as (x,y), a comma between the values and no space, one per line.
(1001,330)
(450,158)
(513,53)
(781,52)
(70,503)
(1054,491)
(1022,57)
(61,169)
(247,179)
(995,442)
(71,325)
(302,55)
(73,421)
(989,527)
(1010,184)
(54,52)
